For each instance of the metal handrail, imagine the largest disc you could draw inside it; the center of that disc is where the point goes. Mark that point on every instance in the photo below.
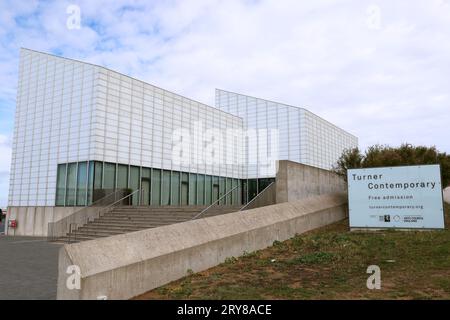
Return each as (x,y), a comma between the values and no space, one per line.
(213,204)
(81,217)
(52,226)
(99,213)
(118,201)
(257,196)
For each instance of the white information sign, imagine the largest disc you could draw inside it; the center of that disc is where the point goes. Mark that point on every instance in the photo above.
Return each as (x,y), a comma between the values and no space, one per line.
(396,197)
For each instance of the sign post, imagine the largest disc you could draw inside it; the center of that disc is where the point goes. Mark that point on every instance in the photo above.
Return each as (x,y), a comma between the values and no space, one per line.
(396,197)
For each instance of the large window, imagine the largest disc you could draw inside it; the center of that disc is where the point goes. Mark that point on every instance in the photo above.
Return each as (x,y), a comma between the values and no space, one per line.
(71,188)
(90,185)
(109,178)
(165,192)
(61,185)
(175,189)
(222,190)
(208,189)
(98,181)
(252,189)
(82,179)
(201,189)
(83,183)
(192,189)
(134,184)
(156,187)
(145,186)
(122,176)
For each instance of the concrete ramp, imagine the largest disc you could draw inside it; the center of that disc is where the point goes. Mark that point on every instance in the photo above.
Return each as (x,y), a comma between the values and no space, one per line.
(124,266)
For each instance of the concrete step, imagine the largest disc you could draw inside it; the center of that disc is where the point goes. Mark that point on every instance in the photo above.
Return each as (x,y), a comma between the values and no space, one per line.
(124,225)
(131,219)
(123,229)
(143,219)
(148,216)
(96,233)
(145,209)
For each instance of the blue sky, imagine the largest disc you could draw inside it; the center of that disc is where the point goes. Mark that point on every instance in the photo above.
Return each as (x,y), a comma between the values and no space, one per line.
(379,69)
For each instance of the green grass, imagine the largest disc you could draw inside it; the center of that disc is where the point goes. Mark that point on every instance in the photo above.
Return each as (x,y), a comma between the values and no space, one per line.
(328,263)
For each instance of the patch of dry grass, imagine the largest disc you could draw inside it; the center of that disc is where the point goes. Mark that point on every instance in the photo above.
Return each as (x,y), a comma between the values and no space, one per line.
(328,263)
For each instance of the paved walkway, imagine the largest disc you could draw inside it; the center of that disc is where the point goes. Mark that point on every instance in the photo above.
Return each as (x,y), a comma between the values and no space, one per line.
(28,268)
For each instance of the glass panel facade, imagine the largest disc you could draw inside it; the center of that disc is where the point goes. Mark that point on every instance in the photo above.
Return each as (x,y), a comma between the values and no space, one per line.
(122,177)
(165,192)
(228,188)
(90,185)
(192,189)
(236,193)
(135,180)
(208,189)
(98,181)
(109,177)
(145,186)
(175,189)
(82,183)
(71,187)
(215,189)
(82,179)
(156,187)
(222,190)
(61,185)
(200,189)
(184,191)
(252,188)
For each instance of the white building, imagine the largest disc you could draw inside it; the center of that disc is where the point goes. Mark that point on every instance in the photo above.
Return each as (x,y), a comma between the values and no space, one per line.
(82,130)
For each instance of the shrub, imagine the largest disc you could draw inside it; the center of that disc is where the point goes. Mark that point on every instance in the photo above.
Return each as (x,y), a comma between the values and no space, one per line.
(386,156)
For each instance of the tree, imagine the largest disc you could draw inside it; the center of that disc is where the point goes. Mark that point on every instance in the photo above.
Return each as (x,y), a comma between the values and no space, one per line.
(386,156)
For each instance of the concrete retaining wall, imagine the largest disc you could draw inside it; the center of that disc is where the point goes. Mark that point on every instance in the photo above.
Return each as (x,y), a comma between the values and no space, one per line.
(128,265)
(297,181)
(33,221)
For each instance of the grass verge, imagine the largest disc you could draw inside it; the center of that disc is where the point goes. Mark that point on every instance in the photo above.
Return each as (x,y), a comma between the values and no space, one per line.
(328,263)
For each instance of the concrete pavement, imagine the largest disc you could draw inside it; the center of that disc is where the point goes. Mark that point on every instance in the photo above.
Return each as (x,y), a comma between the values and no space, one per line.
(28,268)
(447,195)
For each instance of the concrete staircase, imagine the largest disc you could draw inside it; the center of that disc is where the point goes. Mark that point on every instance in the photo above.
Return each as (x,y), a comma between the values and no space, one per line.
(130,219)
